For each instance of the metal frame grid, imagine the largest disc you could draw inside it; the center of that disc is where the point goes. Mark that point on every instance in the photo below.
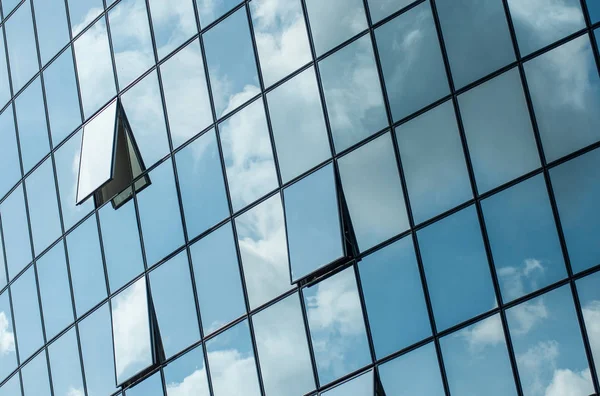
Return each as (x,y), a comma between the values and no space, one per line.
(350,262)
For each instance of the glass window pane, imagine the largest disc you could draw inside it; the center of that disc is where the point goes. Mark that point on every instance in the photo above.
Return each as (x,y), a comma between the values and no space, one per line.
(131,331)
(209,10)
(263,250)
(281,337)
(476,360)
(51,26)
(415,373)
(159,214)
(456,268)
(566,96)
(434,164)
(4,84)
(94,67)
(187,375)
(151,386)
(218,282)
(353,93)
(577,191)
(173,299)
(9,5)
(55,290)
(28,322)
(380,9)
(186,93)
(8,355)
(394,297)
(87,270)
(131,40)
(361,385)
(16,232)
(543,22)
(281,38)
(2,264)
(248,155)
(22,52)
(594,10)
(411,60)
(65,365)
(231,63)
(9,152)
(589,297)
(173,22)
(232,364)
(82,13)
(202,184)
(35,376)
(298,125)
(11,387)
(523,238)
(31,124)
(313,222)
(373,193)
(548,347)
(498,130)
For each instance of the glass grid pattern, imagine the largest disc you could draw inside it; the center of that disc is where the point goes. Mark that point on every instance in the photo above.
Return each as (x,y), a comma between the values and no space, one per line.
(502,330)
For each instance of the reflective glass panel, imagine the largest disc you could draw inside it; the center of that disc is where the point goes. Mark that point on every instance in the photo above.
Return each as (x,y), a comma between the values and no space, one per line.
(577,191)
(456,268)
(173,22)
(51,26)
(87,270)
(16,233)
(202,184)
(173,300)
(476,360)
(26,309)
(565,91)
(35,376)
(594,10)
(231,63)
(9,152)
(159,214)
(394,297)
(548,347)
(232,364)
(416,373)
(187,375)
(218,282)
(434,164)
(22,51)
(361,385)
(498,130)
(298,125)
(4,84)
(539,23)
(373,193)
(523,238)
(353,93)
(380,9)
(411,60)
(281,39)
(186,93)
(9,5)
(337,326)
(281,337)
(8,355)
(131,331)
(313,222)
(335,21)
(589,297)
(2,264)
(248,155)
(65,365)
(263,250)
(151,386)
(210,10)
(11,387)
(55,290)
(82,13)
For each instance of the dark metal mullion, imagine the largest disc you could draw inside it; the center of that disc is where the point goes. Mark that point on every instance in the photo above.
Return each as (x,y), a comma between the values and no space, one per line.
(592,35)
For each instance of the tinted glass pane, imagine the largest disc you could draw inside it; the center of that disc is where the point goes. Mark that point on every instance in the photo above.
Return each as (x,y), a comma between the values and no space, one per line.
(36,377)
(173,23)
(333,22)
(434,164)
(548,346)
(565,96)
(498,130)
(361,385)
(8,355)
(2,264)
(594,10)
(61,96)
(8,6)
(159,214)
(218,282)
(313,222)
(66,366)
(589,297)
(186,93)
(523,238)
(298,125)
(577,190)
(456,267)
(411,60)
(542,22)
(87,270)
(231,63)
(281,39)
(55,290)
(337,326)
(248,155)
(353,93)
(26,309)
(263,251)
(11,387)
(4,84)
(416,373)
(9,152)
(82,13)
(187,375)
(151,386)
(373,193)
(281,337)
(231,362)
(51,26)
(380,9)
(476,360)
(209,10)
(21,46)
(202,184)
(16,233)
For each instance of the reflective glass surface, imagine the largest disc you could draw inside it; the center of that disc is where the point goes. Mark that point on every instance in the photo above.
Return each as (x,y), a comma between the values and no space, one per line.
(28,322)
(4,83)
(65,365)
(151,386)
(361,385)
(589,297)
(9,5)
(209,10)
(51,26)
(380,9)
(187,375)
(36,377)
(9,152)
(82,13)
(22,51)
(594,10)
(16,234)
(8,357)
(11,387)
(2,265)
(173,23)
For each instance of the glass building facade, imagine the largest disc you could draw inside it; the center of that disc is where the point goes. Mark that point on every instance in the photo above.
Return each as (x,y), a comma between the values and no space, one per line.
(299,197)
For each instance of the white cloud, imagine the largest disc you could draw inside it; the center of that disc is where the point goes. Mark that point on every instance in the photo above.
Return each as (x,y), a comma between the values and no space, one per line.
(194,384)
(233,373)
(527,315)
(591,314)
(75,392)
(514,278)
(7,338)
(488,332)
(569,383)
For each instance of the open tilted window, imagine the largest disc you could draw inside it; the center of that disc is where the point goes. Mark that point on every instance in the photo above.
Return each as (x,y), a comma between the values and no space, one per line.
(110,160)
